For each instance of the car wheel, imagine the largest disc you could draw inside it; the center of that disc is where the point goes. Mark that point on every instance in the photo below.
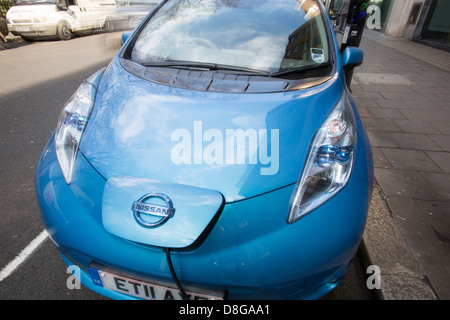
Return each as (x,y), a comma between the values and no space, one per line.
(64,32)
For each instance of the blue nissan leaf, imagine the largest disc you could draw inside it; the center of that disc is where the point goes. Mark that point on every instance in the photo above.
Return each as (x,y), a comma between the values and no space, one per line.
(219,156)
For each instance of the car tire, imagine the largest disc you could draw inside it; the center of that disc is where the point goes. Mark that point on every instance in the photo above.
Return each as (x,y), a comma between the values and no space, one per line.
(63,31)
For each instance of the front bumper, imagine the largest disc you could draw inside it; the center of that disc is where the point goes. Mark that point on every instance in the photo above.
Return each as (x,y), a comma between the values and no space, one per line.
(251,252)
(32,30)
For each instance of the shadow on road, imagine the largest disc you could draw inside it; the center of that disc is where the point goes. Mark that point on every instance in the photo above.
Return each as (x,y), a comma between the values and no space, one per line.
(11,44)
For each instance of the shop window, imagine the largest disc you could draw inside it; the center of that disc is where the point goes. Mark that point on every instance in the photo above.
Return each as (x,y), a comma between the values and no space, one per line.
(437,26)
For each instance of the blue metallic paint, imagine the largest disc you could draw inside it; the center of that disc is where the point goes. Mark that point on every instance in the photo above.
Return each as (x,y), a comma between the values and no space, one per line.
(352,57)
(116,141)
(194,210)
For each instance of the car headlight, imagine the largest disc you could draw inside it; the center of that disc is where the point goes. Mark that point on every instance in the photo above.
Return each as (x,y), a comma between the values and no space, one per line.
(329,162)
(71,124)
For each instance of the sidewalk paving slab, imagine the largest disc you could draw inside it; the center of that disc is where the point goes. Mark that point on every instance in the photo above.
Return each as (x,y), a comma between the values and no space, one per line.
(383,245)
(402,92)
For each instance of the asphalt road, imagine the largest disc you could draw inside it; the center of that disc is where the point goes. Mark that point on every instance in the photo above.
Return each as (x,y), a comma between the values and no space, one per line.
(35,81)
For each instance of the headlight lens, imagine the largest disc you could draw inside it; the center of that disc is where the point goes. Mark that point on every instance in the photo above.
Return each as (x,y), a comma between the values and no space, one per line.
(71,124)
(329,163)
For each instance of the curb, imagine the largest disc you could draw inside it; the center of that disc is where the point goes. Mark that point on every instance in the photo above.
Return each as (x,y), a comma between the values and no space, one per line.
(12,38)
(383,245)
(12,41)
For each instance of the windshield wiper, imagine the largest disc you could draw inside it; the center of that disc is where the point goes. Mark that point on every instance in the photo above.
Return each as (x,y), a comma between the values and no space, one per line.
(206,66)
(201,66)
(301,70)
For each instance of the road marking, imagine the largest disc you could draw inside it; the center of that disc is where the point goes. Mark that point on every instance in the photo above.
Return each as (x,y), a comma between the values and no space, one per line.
(23,255)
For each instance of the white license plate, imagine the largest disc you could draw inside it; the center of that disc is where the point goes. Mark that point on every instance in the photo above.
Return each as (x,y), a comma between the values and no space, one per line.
(143,290)
(23,29)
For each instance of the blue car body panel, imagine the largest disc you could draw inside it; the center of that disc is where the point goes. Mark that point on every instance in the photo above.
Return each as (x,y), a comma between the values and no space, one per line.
(195,208)
(117,139)
(241,254)
(242,243)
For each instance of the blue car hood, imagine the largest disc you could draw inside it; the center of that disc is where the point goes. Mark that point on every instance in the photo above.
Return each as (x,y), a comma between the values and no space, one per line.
(143,129)
(173,157)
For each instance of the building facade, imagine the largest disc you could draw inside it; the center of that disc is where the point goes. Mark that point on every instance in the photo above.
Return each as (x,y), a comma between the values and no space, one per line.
(424,21)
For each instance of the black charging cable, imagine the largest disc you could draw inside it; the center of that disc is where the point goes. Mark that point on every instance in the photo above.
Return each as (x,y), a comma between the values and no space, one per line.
(174,276)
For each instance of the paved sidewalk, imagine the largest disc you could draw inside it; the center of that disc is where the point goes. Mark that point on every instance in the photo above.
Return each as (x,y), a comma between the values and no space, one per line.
(402,92)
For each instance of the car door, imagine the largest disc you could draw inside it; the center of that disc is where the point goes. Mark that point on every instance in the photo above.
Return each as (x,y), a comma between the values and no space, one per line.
(79,15)
(95,11)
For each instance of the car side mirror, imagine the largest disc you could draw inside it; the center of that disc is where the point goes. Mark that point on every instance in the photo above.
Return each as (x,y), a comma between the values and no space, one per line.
(62,5)
(352,57)
(125,36)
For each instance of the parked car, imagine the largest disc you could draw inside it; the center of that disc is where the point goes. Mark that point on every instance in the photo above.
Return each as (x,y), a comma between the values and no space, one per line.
(33,19)
(219,156)
(128,14)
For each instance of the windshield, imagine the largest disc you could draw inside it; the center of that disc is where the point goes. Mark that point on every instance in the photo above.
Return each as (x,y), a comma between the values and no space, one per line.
(30,2)
(263,35)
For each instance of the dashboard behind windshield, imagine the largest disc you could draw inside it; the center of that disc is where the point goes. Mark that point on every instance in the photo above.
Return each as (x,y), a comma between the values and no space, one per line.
(264,35)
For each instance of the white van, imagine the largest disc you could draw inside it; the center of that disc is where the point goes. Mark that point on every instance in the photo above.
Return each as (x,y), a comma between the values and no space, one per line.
(42,18)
